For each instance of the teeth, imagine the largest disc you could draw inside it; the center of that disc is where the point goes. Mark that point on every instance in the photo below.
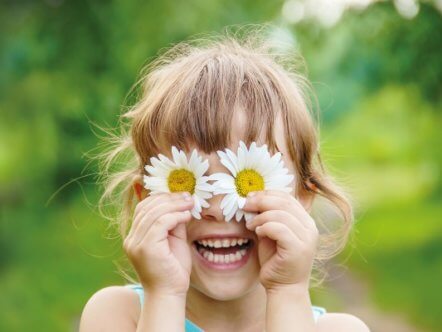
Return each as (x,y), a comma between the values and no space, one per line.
(217,258)
(222,243)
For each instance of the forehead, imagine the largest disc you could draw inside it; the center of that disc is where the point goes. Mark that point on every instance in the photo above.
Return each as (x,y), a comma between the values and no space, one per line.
(238,133)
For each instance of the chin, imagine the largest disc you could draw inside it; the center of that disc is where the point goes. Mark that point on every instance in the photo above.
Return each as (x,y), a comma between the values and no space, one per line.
(225,289)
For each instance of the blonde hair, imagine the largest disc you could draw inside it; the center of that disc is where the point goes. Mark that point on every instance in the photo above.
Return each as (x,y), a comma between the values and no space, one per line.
(188,95)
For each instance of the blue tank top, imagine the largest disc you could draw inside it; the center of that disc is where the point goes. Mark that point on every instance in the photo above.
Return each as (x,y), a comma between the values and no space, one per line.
(191,327)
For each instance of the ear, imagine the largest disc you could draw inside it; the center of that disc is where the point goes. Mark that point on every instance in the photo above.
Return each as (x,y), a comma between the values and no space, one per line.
(139,189)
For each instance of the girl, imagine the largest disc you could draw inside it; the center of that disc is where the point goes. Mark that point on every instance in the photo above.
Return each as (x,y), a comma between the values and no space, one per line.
(195,271)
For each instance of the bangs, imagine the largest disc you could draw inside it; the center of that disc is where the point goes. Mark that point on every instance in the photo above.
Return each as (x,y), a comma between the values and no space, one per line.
(191,102)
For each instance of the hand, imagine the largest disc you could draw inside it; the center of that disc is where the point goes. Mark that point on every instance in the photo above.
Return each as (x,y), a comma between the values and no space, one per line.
(287,238)
(157,243)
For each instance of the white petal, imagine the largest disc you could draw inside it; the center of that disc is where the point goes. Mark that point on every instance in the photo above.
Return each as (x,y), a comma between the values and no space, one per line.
(176,155)
(202,179)
(205,187)
(269,166)
(158,164)
(232,205)
(183,160)
(241,159)
(252,149)
(224,184)
(222,177)
(154,180)
(226,201)
(244,151)
(249,216)
(203,194)
(159,172)
(195,214)
(220,191)
(226,162)
(221,185)
(239,214)
(196,208)
(151,182)
(230,215)
(233,159)
(201,168)
(166,161)
(193,161)
(204,203)
(241,202)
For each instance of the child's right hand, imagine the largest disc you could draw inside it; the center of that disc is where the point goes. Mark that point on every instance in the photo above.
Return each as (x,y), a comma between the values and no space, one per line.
(157,243)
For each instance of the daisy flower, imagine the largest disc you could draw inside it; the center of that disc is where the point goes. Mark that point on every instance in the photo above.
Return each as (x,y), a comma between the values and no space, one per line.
(180,174)
(251,170)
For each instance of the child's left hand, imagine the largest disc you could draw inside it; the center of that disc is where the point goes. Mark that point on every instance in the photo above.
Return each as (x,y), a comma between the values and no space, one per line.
(287,238)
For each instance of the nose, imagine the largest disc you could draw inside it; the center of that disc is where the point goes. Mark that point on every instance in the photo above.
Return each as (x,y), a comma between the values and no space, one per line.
(213,212)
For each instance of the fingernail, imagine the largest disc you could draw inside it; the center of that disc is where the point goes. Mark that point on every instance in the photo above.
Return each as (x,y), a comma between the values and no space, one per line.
(251,194)
(187,196)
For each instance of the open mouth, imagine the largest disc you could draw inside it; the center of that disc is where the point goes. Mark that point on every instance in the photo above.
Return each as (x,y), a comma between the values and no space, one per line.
(224,251)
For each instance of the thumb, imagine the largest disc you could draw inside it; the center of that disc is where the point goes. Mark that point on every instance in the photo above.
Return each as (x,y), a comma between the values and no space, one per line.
(180,231)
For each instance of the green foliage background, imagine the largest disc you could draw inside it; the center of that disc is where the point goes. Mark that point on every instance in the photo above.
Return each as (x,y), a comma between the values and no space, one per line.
(66,63)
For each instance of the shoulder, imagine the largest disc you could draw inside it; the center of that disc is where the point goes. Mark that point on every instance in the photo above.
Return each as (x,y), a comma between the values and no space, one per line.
(113,308)
(341,322)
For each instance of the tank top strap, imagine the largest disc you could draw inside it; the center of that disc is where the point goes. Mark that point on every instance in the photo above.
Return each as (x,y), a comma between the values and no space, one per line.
(139,290)
(318,312)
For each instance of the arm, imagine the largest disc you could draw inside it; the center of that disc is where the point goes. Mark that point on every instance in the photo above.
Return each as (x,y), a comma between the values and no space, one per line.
(162,313)
(289,309)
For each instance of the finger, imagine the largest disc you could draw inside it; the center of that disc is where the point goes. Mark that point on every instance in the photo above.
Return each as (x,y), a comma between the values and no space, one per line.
(142,210)
(154,199)
(280,233)
(283,194)
(160,229)
(169,198)
(280,216)
(278,200)
(262,201)
(156,213)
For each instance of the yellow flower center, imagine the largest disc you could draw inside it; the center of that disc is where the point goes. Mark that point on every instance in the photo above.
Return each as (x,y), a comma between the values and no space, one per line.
(248,180)
(181,180)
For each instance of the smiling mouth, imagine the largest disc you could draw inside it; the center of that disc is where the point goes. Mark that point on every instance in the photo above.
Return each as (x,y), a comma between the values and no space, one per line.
(223,251)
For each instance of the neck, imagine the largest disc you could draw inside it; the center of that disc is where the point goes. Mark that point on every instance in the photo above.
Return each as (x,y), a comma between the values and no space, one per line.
(246,313)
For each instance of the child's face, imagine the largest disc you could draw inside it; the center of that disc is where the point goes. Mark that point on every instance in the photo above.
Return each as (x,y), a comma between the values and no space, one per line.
(222,281)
